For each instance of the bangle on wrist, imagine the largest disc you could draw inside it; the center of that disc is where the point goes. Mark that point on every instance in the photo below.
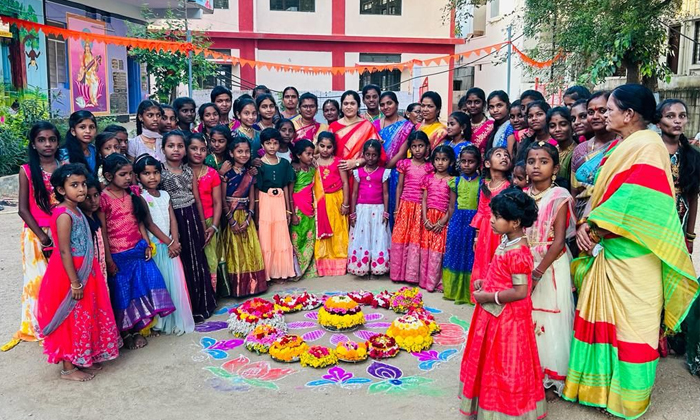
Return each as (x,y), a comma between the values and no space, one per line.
(172,241)
(495,298)
(76,288)
(216,229)
(690,236)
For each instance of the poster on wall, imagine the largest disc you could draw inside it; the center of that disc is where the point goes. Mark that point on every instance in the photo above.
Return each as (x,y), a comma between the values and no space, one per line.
(88,67)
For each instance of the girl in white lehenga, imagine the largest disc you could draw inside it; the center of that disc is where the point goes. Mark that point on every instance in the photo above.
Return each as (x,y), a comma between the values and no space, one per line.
(368,252)
(166,255)
(552,297)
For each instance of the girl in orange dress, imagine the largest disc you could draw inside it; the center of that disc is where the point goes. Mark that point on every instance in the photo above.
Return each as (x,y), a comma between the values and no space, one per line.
(501,375)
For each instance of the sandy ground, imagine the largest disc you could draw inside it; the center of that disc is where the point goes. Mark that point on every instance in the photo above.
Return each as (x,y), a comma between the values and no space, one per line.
(168,379)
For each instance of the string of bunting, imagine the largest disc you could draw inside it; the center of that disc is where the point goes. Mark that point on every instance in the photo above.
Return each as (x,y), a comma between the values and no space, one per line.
(185,47)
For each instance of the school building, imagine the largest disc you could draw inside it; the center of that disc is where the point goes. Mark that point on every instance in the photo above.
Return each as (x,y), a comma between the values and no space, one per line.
(334,33)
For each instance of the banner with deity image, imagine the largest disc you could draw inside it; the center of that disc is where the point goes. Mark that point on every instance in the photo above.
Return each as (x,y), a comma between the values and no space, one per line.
(88,67)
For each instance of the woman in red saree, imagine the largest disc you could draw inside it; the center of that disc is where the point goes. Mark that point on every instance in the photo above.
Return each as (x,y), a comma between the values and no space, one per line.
(352,131)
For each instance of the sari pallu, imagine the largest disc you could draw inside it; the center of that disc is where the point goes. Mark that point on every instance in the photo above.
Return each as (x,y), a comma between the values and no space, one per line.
(436,133)
(642,267)
(351,138)
(393,136)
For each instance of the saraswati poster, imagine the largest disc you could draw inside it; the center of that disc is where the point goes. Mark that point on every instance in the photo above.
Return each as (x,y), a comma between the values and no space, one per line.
(88,67)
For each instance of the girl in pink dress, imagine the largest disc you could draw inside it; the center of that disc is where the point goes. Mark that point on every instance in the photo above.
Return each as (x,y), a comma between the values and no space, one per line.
(497,167)
(74,314)
(437,207)
(369,234)
(405,239)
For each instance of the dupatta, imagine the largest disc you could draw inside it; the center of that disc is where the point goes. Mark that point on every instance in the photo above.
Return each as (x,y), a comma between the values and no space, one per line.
(81,225)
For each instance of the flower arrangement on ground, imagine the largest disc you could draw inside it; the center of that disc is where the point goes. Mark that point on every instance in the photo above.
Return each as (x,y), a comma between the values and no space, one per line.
(362,297)
(340,313)
(405,299)
(410,333)
(252,313)
(381,346)
(288,304)
(382,300)
(309,301)
(261,338)
(318,357)
(350,351)
(427,317)
(288,348)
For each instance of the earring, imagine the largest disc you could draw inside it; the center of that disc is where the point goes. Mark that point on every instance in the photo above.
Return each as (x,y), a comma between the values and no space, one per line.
(554,178)
(527,179)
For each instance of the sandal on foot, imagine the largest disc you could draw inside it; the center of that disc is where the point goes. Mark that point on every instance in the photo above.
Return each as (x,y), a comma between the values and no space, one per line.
(66,374)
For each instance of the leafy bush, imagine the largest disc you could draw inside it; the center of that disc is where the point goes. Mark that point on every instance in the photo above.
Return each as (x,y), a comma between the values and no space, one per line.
(14,129)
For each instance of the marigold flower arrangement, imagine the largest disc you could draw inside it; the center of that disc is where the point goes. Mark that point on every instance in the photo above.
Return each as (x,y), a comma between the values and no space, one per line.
(382,300)
(410,333)
(318,357)
(261,338)
(381,346)
(252,313)
(406,298)
(288,304)
(362,297)
(340,313)
(427,317)
(288,348)
(350,351)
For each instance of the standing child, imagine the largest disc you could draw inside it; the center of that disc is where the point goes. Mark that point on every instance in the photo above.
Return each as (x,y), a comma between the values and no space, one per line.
(78,147)
(501,375)
(247,114)
(459,132)
(179,182)
(122,137)
(303,228)
(519,177)
(36,201)
(332,197)
(369,217)
(437,206)
(552,299)
(106,144)
(494,180)
(218,158)
(239,245)
(209,187)
(168,120)
(405,239)
(286,129)
(209,116)
(459,253)
(91,208)
(135,283)
(274,210)
(73,309)
(148,137)
(167,256)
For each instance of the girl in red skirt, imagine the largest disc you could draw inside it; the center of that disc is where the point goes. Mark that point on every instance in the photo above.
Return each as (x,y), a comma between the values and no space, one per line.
(501,374)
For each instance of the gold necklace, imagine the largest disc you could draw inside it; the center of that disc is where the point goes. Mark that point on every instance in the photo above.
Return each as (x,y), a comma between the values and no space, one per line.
(370,173)
(497,186)
(537,196)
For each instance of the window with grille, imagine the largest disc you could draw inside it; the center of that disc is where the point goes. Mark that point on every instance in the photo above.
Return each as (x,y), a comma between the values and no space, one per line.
(386,79)
(220,4)
(293,5)
(221,78)
(58,71)
(380,7)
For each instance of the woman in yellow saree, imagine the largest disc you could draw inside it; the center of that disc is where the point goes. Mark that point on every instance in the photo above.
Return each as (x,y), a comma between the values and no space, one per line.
(431,103)
(637,265)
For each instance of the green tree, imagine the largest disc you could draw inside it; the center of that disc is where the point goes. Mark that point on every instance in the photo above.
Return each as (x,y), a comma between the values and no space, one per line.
(167,68)
(600,36)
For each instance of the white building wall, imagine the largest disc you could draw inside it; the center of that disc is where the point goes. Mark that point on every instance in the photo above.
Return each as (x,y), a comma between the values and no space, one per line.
(302,81)
(222,20)
(273,21)
(414,22)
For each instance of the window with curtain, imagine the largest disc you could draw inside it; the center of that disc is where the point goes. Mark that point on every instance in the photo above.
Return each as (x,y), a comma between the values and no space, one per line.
(380,7)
